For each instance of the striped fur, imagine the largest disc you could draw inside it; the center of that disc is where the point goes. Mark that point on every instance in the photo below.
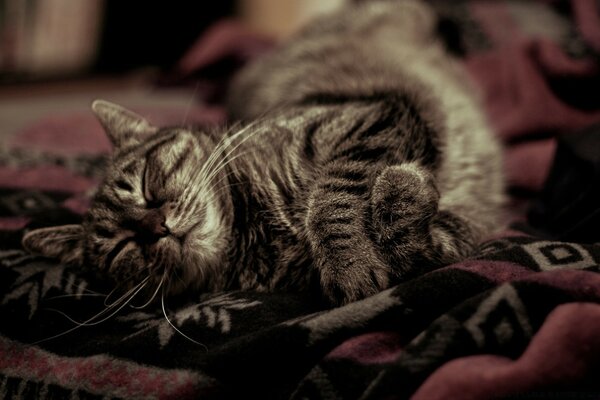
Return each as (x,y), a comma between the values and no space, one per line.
(366,161)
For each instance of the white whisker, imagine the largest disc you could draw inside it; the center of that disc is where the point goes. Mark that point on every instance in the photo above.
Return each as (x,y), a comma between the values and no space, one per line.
(225,158)
(124,295)
(62,296)
(64,314)
(153,295)
(91,321)
(162,301)
(214,155)
(223,146)
(119,308)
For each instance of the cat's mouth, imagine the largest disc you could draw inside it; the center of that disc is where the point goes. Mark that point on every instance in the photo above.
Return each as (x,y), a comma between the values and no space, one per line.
(134,257)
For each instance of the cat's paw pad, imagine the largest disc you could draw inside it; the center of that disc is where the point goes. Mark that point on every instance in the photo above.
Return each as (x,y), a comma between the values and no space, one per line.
(404,199)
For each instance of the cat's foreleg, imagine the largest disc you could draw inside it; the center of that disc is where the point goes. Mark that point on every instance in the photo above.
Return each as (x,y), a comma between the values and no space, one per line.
(348,262)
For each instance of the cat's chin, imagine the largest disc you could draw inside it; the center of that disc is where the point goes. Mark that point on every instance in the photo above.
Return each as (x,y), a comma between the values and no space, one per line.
(202,261)
(172,265)
(151,263)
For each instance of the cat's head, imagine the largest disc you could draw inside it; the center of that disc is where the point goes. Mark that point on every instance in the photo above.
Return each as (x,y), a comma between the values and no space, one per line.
(155,214)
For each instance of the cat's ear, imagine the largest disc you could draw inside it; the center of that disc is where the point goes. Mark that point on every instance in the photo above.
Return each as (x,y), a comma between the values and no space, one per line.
(122,126)
(64,243)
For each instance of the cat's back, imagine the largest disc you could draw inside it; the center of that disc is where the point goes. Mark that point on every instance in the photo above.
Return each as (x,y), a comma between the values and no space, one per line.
(363,48)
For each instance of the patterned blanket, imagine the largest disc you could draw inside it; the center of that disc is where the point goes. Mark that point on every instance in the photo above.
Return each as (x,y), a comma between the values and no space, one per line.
(519,319)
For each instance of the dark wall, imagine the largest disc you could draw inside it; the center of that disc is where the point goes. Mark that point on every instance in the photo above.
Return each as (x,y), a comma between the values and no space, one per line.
(142,33)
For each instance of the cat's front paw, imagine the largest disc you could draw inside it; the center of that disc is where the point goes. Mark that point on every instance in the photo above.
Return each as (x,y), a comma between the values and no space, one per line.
(403,202)
(353,280)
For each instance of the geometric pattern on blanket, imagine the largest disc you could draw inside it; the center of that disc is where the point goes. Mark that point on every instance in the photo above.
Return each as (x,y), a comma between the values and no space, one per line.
(518,322)
(517,302)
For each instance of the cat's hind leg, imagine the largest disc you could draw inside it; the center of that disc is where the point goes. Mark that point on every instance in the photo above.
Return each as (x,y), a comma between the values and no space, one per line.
(404,201)
(413,233)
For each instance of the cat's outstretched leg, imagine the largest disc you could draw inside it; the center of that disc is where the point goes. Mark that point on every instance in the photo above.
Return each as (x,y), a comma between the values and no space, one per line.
(404,201)
(349,264)
(409,227)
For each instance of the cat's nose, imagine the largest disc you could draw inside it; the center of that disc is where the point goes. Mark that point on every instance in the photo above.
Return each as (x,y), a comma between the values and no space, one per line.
(153,225)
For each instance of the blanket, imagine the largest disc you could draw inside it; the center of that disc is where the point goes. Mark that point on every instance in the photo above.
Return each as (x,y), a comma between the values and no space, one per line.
(519,319)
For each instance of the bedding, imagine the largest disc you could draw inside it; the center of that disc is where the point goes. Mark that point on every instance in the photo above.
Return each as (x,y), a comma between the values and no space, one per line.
(519,319)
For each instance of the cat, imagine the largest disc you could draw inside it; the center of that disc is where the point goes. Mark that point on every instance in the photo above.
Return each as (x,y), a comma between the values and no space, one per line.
(361,158)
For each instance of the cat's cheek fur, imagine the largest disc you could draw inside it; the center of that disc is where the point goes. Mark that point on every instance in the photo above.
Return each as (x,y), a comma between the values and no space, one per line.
(128,264)
(203,251)
(199,268)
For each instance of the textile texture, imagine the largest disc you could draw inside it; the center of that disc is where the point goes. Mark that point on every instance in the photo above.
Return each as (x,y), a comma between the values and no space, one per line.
(519,319)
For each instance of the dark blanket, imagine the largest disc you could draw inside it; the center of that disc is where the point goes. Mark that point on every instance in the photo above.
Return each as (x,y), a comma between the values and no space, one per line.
(520,319)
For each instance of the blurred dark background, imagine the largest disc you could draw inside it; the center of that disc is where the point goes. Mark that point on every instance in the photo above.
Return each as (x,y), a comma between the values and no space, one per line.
(140,33)
(57,56)
(52,39)
(44,40)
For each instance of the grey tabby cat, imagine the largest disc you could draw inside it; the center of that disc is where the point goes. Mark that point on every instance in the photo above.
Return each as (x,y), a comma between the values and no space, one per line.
(364,160)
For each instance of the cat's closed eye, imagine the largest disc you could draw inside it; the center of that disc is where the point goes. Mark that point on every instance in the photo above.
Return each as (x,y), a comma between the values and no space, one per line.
(151,197)
(104,233)
(121,184)
(149,194)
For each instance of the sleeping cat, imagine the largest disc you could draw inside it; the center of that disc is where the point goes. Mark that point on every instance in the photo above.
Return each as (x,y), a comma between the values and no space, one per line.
(361,159)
